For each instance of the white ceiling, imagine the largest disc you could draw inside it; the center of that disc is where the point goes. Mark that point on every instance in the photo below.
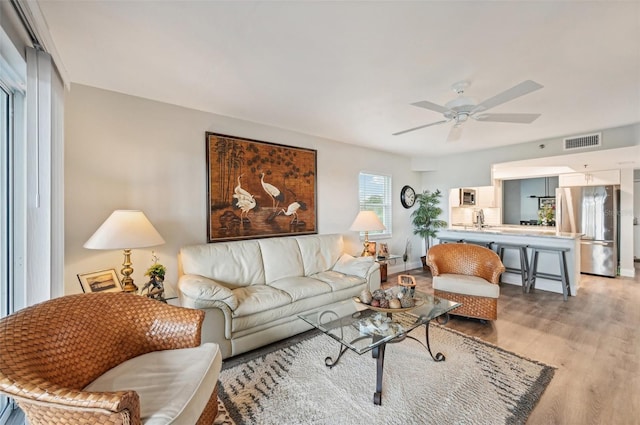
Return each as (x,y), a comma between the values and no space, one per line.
(348,71)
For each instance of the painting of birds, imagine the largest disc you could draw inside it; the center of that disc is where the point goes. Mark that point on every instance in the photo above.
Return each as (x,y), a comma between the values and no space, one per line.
(292,210)
(272,191)
(238,190)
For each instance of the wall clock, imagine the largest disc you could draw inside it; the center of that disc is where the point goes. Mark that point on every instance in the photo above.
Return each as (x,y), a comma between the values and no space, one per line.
(407,196)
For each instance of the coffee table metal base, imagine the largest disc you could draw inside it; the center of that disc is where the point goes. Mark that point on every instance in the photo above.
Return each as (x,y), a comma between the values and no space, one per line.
(378,354)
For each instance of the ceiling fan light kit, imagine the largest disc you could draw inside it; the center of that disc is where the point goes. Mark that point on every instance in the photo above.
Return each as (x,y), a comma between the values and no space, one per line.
(463,107)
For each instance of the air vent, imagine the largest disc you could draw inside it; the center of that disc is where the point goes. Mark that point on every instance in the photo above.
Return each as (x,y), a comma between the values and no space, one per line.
(582,142)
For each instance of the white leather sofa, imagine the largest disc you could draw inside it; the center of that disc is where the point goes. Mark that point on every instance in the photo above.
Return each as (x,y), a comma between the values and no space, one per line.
(252,291)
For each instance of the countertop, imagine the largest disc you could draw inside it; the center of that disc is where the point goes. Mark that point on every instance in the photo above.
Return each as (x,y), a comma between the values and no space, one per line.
(540,231)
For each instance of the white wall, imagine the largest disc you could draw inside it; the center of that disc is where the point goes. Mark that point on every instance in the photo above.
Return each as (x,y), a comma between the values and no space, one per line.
(636,215)
(124,152)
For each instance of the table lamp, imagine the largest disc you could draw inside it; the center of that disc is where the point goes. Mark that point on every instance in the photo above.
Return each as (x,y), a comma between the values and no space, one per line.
(366,221)
(125,229)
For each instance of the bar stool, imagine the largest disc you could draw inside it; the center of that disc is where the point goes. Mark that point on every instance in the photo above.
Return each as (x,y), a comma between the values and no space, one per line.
(449,240)
(524,261)
(562,277)
(481,243)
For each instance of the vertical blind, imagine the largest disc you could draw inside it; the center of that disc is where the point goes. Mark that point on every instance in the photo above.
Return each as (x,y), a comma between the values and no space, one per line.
(375,195)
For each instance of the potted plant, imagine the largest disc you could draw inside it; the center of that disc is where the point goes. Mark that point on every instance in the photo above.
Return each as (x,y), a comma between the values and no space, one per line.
(425,219)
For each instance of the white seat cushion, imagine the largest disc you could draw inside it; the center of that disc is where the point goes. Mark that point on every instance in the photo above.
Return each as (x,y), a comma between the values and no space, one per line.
(256,298)
(300,287)
(467,285)
(174,385)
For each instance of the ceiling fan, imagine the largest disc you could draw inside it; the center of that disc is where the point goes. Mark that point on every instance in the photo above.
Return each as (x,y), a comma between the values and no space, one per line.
(462,108)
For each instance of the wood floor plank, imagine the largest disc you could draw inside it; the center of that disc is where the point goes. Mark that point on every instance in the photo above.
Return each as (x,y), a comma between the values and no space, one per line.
(593,339)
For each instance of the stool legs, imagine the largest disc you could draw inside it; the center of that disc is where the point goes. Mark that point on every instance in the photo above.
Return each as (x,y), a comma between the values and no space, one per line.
(563,277)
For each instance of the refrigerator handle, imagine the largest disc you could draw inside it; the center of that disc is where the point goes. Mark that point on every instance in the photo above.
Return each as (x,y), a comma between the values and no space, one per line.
(592,242)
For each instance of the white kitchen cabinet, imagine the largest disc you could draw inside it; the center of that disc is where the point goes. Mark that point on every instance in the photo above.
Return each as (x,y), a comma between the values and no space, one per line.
(596,178)
(486,197)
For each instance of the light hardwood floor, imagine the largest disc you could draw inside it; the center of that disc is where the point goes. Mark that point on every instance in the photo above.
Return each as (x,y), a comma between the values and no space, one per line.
(593,339)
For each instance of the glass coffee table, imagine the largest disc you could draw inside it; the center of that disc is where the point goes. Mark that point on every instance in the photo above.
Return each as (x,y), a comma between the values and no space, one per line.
(359,328)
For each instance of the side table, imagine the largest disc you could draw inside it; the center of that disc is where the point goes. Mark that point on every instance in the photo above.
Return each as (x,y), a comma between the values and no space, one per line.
(383,261)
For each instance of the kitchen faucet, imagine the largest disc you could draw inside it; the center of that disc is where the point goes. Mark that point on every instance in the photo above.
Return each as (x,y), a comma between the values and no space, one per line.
(479,218)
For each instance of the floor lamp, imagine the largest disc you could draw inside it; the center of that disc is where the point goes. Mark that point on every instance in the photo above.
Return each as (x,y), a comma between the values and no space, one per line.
(367,221)
(125,229)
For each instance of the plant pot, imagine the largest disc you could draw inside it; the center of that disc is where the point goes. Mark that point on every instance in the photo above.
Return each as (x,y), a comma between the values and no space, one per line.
(425,266)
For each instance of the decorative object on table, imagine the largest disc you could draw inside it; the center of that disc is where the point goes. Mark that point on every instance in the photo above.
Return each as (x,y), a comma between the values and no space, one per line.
(383,251)
(155,287)
(367,221)
(101,281)
(125,229)
(407,196)
(274,192)
(546,215)
(405,255)
(408,282)
(378,324)
(425,219)
(390,300)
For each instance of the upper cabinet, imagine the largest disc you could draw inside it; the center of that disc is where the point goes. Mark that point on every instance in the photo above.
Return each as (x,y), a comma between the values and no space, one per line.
(486,197)
(596,178)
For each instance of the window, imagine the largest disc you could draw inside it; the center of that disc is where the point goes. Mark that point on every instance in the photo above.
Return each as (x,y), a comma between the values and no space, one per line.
(375,195)
(5,246)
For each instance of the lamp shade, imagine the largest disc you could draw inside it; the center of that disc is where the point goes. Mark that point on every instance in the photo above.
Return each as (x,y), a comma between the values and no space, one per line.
(367,221)
(125,229)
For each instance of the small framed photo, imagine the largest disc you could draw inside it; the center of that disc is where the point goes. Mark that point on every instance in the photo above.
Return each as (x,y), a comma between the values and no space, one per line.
(383,250)
(101,281)
(546,201)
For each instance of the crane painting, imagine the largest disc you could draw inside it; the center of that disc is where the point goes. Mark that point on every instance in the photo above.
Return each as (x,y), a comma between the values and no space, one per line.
(259,189)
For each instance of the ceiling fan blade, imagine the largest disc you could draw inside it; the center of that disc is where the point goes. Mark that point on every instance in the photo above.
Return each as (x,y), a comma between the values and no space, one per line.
(418,128)
(512,118)
(431,106)
(454,133)
(507,95)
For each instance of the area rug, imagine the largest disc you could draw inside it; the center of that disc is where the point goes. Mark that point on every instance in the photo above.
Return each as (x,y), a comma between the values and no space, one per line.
(478,383)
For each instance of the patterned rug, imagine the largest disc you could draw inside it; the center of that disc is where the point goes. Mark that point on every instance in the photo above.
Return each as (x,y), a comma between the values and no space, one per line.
(478,383)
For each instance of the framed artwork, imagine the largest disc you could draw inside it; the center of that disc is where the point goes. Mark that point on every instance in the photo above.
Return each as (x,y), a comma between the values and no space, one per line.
(259,189)
(546,201)
(383,250)
(101,281)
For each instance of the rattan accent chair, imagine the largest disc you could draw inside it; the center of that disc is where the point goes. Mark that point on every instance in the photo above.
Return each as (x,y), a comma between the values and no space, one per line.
(467,273)
(50,351)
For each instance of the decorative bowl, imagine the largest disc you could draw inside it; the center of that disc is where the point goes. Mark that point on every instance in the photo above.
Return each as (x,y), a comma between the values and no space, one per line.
(417,303)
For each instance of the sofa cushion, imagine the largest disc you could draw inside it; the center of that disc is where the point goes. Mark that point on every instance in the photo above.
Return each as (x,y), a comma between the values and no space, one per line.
(174,385)
(256,298)
(301,287)
(319,252)
(234,264)
(356,266)
(281,258)
(467,285)
(339,281)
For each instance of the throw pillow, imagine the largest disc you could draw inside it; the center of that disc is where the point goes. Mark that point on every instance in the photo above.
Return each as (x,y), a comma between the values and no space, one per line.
(355,266)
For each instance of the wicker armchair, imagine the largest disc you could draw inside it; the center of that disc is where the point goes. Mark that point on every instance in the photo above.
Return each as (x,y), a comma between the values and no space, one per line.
(49,352)
(467,273)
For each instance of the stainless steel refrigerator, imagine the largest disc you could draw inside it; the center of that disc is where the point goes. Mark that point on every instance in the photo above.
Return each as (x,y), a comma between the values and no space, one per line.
(592,211)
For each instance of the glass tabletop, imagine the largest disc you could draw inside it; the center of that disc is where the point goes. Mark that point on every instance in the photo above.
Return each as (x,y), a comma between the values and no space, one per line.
(361,329)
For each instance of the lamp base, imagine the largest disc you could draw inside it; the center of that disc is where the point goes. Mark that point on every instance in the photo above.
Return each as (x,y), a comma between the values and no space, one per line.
(127,270)
(366,252)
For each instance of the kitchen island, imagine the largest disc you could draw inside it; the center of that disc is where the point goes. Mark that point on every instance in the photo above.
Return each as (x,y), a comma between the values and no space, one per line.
(539,236)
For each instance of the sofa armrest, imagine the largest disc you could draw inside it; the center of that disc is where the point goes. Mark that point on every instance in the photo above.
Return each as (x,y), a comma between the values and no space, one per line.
(206,292)
(373,277)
